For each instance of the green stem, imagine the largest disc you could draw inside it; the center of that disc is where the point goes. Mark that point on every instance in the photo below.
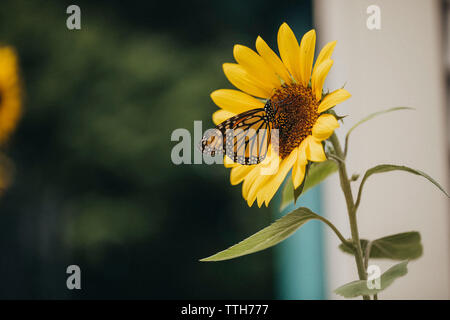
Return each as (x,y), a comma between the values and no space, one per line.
(367,255)
(345,185)
(366,261)
(338,233)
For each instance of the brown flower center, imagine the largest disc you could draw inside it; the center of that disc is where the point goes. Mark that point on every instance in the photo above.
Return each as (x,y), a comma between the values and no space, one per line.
(295,114)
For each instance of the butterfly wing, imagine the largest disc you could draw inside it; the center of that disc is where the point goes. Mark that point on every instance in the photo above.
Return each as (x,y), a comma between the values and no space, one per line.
(244,138)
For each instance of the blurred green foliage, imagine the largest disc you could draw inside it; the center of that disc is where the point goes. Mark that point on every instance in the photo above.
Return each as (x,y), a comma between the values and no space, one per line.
(94,184)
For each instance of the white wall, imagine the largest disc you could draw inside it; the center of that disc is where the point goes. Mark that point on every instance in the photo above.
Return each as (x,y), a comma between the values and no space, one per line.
(400,65)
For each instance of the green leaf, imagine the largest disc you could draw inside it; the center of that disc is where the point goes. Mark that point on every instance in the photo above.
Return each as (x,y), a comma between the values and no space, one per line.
(360,288)
(317,172)
(390,167)
(401,246)
(267,237)
(369,117)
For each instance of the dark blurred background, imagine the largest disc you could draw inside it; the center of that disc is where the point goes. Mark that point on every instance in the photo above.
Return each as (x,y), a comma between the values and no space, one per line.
(94,184)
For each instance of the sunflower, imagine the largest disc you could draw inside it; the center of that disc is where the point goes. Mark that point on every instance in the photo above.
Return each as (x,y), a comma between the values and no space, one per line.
(10,96)
(303,118)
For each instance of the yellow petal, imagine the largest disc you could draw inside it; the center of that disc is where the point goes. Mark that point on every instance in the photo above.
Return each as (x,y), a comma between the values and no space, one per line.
(256,187)
(272,60)
(314,150)
(324,127)
(228,163)
(298,170)
(238,174)
(261,196)
(275,181)
(319,76)
(332,99)
(255,66)
(235,101)
(241,79)
(289,50)
(307,47)
(250,200)
(324,54)
(248,181)
(301,154)
(260,199)
(298,175)
(221,115)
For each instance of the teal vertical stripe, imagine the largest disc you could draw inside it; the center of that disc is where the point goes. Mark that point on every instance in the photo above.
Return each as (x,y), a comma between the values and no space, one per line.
(299,260)
(300,271)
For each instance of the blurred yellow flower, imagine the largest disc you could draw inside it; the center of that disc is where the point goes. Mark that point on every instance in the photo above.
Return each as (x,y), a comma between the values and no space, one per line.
(10,93)
(294,85)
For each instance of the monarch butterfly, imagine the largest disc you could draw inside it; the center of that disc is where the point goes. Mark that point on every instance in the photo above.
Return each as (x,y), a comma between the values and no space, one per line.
(244,138)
